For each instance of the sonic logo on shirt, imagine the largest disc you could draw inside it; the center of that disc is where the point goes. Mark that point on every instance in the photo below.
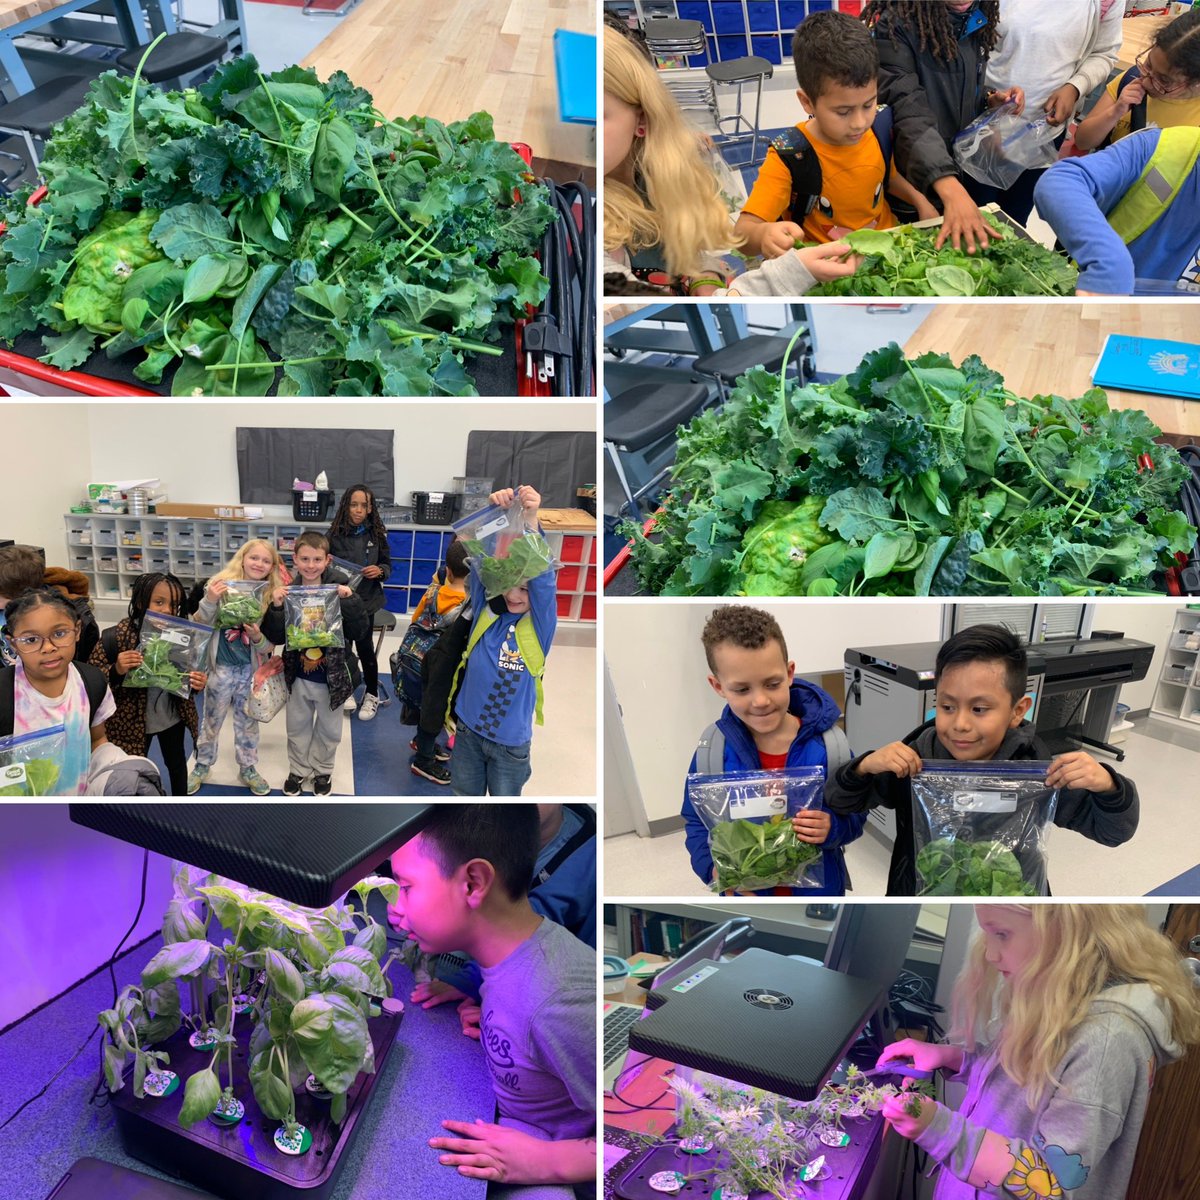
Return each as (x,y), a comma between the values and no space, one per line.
(510,655)
(1189,278)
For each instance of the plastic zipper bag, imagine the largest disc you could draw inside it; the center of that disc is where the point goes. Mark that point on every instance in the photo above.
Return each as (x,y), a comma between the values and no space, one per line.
(342,570)
(502,548)
(748,818)
(171,648)
(243,603)
(998,147)
(980,829)
(31,763)
(314,617)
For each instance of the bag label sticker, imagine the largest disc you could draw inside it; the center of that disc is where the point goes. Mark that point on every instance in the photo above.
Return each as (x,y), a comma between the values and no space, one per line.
(751,803)
(1004,801)
(177,637)
(14,773)
(495,525)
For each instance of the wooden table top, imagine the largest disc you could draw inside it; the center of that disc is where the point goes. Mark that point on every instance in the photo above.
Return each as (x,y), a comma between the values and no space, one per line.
(1052,348)
(13,12)
(1138,33)
(448,60)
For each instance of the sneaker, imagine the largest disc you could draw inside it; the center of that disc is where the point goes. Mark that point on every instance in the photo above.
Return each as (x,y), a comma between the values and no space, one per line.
(292,785)
(433,771)
(196,779)
(350,705)
(254,781)
(368,708)
(439,751)
(322,785)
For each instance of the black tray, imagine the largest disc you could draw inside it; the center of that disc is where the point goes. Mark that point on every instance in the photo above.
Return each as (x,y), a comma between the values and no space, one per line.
(242,1163)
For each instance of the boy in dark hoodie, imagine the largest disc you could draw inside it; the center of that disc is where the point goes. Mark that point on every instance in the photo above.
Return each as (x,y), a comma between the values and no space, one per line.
(771,721)
(980,678)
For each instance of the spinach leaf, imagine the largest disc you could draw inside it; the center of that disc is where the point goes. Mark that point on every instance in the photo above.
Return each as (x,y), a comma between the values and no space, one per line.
(754,855)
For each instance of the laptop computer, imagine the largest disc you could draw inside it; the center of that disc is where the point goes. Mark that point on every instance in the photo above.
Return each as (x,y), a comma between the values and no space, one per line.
(772,1022)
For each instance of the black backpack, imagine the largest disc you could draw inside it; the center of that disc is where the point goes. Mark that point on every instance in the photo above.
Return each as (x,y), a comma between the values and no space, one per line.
(93,681)
(1137,114)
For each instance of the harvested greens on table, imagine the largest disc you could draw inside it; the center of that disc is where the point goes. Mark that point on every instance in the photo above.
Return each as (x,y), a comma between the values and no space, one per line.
(913,478)
(272,231)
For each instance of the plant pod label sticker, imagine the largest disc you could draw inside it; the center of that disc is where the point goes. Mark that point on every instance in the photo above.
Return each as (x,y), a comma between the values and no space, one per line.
(203,1040)
(834,1137)
(300,1143)
(243,1003)
(160,1083)
(986,802)
(316,1088)
(14,773)
(229,1111)
(696,1144)
(723,1194)
(814,1170)
(666,1181)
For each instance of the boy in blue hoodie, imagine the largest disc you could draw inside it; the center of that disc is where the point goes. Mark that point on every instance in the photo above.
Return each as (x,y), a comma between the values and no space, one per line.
(771,721)
(501,688)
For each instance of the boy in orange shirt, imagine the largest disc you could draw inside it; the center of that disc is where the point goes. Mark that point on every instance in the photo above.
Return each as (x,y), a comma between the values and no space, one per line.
(837,67)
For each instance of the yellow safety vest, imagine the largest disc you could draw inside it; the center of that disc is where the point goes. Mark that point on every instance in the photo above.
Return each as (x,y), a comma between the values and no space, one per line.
(1170,165)
(527,643)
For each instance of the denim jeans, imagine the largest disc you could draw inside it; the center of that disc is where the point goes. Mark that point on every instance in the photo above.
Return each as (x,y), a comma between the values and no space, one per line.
(483,768)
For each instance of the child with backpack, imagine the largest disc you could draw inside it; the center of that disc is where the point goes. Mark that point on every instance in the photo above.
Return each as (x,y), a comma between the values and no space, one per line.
(771,721)
(47,690)
(1127,214)
(502,667)
(1162,89)
(146,713)
(829,175)
(437,609)
(23,567)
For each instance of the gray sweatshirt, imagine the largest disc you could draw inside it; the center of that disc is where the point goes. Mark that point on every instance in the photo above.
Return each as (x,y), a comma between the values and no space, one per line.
(1086,1130)
(782,276)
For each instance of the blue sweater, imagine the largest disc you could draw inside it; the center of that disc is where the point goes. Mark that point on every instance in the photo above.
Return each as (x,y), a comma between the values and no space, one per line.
(1075,195)
(498,694)
(817,713)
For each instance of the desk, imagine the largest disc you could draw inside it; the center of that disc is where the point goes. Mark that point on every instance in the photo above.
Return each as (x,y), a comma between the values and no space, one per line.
(432,1072)
(1136,35)
(448,60)
(1052,348)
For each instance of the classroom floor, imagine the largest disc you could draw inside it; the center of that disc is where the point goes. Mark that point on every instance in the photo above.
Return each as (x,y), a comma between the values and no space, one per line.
(563,754)
(1160,757)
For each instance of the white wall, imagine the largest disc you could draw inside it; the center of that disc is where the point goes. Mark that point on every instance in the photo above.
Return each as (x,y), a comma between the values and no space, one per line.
(1148,622)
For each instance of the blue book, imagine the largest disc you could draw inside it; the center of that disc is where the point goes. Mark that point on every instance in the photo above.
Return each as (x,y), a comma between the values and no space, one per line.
(575,66)
(1136,364)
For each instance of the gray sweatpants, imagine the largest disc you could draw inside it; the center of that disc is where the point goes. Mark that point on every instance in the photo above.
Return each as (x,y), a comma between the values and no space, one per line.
(313,729)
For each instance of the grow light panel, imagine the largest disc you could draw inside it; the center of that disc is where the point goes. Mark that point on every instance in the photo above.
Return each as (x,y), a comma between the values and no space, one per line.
(309,854)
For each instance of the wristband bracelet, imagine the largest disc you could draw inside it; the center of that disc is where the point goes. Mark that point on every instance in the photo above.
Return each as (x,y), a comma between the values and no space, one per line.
(701,282)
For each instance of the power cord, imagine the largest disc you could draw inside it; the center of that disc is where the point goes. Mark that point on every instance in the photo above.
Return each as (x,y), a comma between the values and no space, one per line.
(113,975)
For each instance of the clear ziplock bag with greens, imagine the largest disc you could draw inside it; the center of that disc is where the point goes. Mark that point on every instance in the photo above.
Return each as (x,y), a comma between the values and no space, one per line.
(31,763)
(242,604)
(171,649)
(502,548)
(748,817)
(313,616)
(980,829)
(998,147)
(342,570)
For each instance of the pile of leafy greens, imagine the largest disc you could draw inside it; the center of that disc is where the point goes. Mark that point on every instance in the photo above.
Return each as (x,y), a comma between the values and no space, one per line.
(752,855)
(41,775)
(237,609)
(913,478)
(299,638)
(904,262)
(272,231)
(528,557)
(957,867)
(157,670)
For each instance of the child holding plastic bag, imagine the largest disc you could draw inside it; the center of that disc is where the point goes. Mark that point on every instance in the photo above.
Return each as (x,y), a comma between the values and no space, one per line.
(771,722)
(234,602)
(143,714)
(52,710)
(313,634)
(1061,1018)
(980,676)
(511,634)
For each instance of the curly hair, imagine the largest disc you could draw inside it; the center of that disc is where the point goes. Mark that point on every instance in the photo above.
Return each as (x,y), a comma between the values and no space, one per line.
(142,592)
(833,48)
(742,626)
(1179,40)
(36,597)
(342,526)
(933,23)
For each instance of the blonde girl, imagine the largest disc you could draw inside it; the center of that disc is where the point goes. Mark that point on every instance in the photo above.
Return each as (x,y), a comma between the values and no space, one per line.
(1060,1019)
(235,657)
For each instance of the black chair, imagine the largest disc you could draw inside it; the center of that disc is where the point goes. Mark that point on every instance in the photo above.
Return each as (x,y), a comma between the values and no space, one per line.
(757,350)
(382,623)
(643,415)
(177,56)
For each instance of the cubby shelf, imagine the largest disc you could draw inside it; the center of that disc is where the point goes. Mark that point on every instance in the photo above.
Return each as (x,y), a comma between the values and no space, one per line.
(1177,695)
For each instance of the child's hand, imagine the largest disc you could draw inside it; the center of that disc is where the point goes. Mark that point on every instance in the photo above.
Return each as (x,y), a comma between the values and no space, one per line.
(779,237)
(253,632)
(1131,95)
(1061,104)
(197,680)
(1079,770)
(127,660)
(925,1056)
(896,1114)
(486,1151)
(504,497)
(470,1016)
(812,825)
(372,572)
(896,757)
(530,499)
(344,591)
(1015,94)
(962,222)
(435,992)
(278,594)
(215,590)
(925,210)
(833,260)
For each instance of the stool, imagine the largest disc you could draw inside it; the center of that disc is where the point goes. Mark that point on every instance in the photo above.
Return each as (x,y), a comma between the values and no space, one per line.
(639,417)
(757,350)
(36,113)
(176,56)
(740,71)
(667,37)
(382,623)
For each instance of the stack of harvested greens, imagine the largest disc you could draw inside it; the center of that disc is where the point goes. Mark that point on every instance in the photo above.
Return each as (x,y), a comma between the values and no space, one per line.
(904,262)
(528,557)
(272,232)
(914,478)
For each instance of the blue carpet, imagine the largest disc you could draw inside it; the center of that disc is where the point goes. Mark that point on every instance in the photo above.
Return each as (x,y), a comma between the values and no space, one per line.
(737,154)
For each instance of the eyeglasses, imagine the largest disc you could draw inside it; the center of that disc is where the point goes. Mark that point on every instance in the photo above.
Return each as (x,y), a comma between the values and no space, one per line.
(1163,87)
(32,642)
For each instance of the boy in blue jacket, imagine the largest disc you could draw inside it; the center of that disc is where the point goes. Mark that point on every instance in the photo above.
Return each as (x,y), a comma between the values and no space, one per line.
(771,721)
(1129,212)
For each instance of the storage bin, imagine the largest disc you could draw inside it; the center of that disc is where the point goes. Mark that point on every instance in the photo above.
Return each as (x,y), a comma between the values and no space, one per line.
(764,16)
(690,10)
(473,485)
(311,506)
(766,47)
(428,546)
(729,17)
(395,599)
(433,508)
(400,543)
(791,13)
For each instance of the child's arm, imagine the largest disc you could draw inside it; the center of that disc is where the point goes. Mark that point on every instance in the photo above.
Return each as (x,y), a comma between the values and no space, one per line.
(759,221)
(696,836)
(1104,118)
(506,1155)
(1093,799)
(867,782)
(794,273)
(829,830)
(899,187)
(768,238)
